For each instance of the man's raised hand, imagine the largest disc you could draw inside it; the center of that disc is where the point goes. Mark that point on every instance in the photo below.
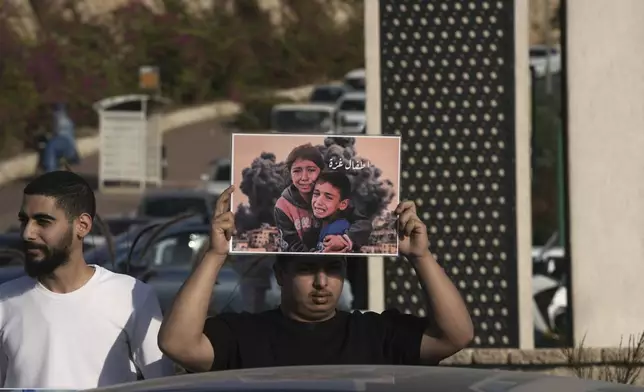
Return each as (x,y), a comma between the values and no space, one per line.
(223,224)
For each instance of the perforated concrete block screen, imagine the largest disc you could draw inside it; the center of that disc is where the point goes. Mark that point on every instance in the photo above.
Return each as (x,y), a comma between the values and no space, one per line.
(447,86)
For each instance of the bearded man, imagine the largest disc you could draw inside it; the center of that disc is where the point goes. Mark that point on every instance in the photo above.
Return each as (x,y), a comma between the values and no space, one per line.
(67,324)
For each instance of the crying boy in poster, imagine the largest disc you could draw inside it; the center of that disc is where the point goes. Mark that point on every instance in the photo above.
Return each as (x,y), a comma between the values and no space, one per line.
(330,201)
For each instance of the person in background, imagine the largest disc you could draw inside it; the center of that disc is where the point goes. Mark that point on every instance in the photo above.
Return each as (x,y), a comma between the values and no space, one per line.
(62,144)
(307,329)
(67,324)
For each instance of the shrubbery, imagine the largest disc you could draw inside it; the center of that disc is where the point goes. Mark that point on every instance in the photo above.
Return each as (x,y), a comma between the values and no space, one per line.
(229,51)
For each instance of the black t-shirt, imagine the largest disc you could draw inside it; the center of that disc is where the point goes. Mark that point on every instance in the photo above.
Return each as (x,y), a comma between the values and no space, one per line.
(247,340)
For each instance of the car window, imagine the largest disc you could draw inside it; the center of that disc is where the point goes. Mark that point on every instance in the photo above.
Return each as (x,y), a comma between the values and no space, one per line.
(170,207)
(325,94)
(357,84)
(175,250)
(301,120)
(353,105)
(222,173)
(541,52)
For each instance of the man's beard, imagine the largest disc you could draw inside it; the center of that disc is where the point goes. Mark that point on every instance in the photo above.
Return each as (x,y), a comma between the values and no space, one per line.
(54,257)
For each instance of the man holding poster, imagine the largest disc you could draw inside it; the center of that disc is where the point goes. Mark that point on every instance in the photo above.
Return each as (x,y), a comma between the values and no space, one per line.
(307,329)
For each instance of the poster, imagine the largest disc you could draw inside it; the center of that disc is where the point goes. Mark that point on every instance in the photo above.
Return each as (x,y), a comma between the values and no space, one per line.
(315,194)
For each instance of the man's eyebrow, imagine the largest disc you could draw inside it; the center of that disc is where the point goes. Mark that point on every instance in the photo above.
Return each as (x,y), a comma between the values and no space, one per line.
(41,216)
(44,216)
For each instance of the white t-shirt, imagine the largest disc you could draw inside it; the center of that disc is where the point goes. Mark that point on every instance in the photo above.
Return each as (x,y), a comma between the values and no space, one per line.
(95,336)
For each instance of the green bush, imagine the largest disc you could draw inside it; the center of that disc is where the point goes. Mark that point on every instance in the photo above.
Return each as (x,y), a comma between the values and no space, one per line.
(202,56)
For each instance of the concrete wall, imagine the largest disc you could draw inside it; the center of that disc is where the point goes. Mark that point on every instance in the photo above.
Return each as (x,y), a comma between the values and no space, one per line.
(606,168)
(588,363)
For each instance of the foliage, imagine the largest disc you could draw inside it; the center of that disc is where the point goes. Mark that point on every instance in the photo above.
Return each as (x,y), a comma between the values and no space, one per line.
(206,54)
(625,368)
(265,179)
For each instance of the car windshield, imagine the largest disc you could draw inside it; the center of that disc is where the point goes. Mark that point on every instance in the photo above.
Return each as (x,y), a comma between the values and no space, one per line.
(352,105)
(221,173)
(357,84)
(173,206)
(326,94)
(301,120)
(541,52)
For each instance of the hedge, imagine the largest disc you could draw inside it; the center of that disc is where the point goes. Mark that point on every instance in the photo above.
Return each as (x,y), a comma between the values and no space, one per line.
(226,52)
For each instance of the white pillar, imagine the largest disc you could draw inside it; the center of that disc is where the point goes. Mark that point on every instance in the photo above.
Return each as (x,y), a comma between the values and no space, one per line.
(376,264)
(523,125)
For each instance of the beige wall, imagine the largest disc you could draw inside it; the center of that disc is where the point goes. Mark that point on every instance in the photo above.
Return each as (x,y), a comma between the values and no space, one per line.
(606,167)
(523,173)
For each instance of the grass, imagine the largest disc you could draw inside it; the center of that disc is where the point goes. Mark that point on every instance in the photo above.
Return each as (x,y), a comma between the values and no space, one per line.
(624,368)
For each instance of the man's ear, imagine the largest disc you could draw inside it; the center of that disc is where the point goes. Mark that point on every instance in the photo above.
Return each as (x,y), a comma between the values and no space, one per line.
(343,205)
(83,225)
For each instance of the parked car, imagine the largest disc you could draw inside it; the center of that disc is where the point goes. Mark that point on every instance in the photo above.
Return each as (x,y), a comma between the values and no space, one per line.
(327,93)
(368,378)
(163,204)
(165,259)
(355,80)
(218,177)
(540,55)
(350,113)
(11,257)
(302,118)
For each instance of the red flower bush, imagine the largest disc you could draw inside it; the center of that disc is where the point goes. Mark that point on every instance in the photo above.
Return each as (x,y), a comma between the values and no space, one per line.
(206,55)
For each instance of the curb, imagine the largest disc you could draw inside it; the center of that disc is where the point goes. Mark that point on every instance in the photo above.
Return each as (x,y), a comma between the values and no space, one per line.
(24,165)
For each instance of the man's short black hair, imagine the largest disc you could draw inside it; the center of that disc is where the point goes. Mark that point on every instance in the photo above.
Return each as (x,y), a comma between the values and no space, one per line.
(283,260)
(71,192)
(338,180)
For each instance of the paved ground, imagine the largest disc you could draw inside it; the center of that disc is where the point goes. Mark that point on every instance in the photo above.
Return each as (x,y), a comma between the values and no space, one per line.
(189,150)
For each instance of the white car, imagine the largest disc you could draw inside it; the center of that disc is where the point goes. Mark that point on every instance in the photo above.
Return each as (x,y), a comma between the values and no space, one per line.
(355,80)
(350,113)
(303,118)
(539,57)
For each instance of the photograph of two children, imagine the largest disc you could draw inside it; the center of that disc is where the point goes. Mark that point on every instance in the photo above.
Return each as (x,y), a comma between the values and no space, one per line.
(315,194)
